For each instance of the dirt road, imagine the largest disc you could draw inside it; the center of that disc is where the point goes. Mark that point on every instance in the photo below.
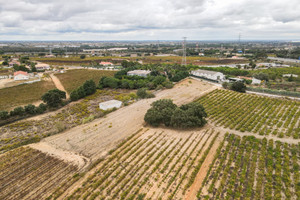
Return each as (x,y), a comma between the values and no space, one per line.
(59,85)
(95,139)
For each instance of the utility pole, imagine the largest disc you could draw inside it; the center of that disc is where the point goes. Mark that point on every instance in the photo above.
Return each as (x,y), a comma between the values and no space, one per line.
(183,62)
(240,35)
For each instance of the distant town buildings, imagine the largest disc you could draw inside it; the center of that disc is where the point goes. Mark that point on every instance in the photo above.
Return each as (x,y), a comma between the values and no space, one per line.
(13,62)
(143,73)
(49,56)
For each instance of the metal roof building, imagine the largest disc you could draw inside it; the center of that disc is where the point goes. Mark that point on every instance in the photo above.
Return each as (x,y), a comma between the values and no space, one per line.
(110,104)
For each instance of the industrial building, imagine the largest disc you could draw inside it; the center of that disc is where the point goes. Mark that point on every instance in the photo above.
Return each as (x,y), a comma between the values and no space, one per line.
(211,75)
(143,73)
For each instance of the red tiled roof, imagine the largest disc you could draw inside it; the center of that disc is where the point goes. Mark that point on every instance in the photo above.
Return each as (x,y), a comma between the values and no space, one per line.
(20,72)
(106,63)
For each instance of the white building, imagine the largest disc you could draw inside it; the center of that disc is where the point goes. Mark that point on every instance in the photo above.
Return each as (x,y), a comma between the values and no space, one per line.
(143,73)
(42,66)
(110,104)
(256,81)
(20,75)
(216,76)
(289,75)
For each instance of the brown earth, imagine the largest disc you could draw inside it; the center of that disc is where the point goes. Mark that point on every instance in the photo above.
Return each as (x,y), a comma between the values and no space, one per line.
(93,140)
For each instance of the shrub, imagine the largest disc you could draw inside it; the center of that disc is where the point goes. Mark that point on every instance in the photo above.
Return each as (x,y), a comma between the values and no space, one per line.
(225,85)
(88,119)
(60,126)
(53,98)
(262,76)
(17,111)
(108,82)
(238,87)
(42,108)
(30,109)
(74,95)
(4,115)
(143,93)
(89,87)
(168,84)
(179,76)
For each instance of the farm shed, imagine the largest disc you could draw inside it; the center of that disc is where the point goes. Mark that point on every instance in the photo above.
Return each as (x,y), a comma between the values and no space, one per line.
(216,76)
(110,104)
(143,73)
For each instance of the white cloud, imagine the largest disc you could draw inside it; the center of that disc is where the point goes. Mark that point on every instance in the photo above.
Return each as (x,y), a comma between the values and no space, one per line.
(144,19)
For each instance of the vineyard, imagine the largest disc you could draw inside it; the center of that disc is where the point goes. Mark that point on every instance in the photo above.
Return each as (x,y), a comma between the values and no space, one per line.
(251,168)
(72,79)
(253,113)
(30,174)
(153,164)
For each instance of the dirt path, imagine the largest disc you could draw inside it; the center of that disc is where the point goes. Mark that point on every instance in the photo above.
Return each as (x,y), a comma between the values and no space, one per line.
(224,130)
(59,85)
(193,190)
(96,138)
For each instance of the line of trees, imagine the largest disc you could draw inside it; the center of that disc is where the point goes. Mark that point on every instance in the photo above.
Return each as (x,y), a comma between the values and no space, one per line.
(23,111)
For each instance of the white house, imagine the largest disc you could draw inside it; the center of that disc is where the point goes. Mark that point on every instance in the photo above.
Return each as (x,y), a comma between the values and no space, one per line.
(42,66)
(20,75)
(256,81)
(110,104)
(143,73)
(216,76)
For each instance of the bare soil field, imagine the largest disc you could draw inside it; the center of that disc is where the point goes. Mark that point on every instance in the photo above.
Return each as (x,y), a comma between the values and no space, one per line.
(97,137)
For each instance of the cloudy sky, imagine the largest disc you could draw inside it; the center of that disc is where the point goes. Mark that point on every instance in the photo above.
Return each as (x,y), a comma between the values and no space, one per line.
(149,19)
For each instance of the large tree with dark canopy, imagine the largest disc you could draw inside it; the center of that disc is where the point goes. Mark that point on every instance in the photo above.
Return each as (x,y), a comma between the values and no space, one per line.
(54,98)
(165,112)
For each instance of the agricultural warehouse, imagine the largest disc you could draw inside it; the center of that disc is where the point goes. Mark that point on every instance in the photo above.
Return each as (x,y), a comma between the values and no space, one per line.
(216,76)
(110,104)
(143,73)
